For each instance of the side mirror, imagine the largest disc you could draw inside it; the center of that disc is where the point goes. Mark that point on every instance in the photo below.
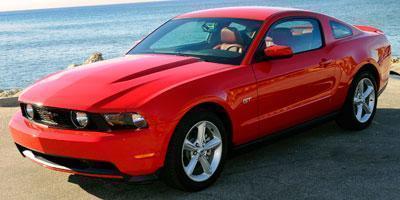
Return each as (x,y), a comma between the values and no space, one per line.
(277,51)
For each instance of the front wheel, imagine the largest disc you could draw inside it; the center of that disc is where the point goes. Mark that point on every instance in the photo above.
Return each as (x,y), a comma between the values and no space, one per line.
(196,153)
(360,107)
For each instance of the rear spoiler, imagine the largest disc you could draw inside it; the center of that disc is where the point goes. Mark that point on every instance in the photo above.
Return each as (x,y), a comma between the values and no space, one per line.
(369,29)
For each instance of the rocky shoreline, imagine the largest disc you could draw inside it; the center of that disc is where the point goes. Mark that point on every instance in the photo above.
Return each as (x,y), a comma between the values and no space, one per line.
(10,93)
(97,56)
(396,60)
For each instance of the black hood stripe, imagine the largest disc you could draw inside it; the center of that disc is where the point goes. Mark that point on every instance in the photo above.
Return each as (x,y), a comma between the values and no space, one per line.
(116,96)
(157,69)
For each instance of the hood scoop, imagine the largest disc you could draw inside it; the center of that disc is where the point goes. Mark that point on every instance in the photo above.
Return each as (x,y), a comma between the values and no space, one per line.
(157,69)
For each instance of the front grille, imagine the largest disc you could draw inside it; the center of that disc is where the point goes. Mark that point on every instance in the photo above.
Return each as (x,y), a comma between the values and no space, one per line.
(61,118)
(54,117)
(46,116)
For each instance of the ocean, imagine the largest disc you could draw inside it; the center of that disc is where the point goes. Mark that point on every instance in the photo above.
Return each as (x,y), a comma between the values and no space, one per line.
(39,42)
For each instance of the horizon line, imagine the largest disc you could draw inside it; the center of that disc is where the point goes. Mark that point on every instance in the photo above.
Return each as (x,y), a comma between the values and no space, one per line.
(80,6)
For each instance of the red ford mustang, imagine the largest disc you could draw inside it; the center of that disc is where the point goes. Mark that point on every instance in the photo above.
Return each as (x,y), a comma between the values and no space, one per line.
(202,83)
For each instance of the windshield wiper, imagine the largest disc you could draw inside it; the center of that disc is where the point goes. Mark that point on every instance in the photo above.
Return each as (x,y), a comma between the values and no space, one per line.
(179,54)
(190,55)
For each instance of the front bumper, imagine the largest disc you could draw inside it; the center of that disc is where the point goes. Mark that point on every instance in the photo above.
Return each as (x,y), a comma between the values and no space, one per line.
(133,153)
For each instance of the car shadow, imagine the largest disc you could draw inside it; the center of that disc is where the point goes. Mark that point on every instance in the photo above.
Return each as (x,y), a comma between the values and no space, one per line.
(322,161)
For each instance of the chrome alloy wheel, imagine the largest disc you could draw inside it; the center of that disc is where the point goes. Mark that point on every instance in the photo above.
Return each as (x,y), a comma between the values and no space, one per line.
(364,100)
(201,151)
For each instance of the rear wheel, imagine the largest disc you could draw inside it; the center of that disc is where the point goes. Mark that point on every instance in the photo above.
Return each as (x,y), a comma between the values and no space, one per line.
(196,153)
(360,107)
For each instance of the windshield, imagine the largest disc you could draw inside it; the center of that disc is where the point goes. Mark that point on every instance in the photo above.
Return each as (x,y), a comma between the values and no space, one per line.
(220,40)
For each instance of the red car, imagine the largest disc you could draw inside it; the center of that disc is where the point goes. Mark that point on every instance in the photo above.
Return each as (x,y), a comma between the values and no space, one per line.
(198,86)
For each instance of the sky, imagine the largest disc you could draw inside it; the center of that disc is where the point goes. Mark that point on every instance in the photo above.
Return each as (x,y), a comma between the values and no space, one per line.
(12,5)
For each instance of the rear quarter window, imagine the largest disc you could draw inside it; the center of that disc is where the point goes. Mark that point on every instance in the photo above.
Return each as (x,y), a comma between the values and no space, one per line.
(340,30)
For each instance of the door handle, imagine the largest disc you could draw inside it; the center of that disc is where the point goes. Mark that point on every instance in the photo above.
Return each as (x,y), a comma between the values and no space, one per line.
(325,62)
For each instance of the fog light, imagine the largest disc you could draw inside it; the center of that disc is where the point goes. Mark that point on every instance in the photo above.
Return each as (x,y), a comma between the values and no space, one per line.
(79,119)
(29,111)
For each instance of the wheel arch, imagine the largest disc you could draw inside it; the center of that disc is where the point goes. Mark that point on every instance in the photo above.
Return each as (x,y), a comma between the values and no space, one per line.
(220,111)
(367,66)
(372,69)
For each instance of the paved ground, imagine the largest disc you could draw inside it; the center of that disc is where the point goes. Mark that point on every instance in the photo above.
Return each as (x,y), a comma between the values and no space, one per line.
(324,162)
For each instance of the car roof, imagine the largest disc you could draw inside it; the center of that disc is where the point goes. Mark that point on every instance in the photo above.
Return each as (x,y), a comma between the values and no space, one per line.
(254,12)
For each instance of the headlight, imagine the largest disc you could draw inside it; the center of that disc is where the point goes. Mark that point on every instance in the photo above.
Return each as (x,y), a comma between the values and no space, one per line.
(125,120)
(79,119)
(29,111)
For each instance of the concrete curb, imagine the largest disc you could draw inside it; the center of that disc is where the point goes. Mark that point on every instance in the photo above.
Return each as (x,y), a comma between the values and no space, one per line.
(9,102)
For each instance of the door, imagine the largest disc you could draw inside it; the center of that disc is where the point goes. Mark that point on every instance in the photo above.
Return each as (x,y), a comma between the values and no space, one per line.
(296,89)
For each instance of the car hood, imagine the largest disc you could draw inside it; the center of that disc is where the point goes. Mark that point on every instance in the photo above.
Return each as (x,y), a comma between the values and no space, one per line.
(103,86)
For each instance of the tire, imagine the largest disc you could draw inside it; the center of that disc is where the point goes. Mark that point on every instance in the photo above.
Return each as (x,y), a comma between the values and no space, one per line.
(176,171)
(349,118)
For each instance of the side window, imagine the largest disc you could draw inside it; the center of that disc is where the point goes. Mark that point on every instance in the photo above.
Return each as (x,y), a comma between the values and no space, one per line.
(186,34)
(340,30)
(299,34)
